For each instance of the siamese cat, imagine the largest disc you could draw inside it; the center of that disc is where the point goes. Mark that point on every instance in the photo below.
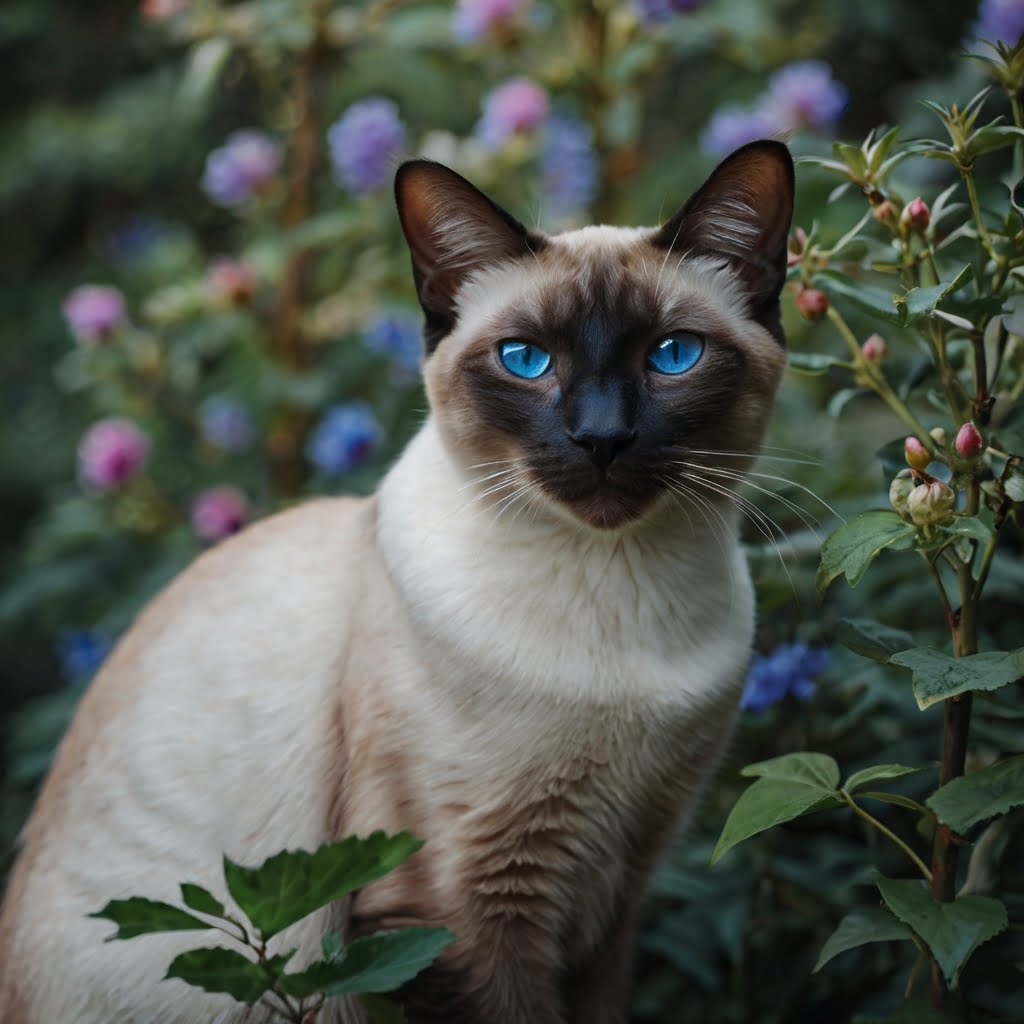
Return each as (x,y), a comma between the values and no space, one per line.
(527,648)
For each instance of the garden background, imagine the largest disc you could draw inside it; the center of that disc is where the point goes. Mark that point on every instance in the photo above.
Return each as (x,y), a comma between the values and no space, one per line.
(206,314)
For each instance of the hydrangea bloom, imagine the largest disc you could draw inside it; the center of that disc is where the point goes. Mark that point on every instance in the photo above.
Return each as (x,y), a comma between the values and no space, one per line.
(732,126)
(93,311)
(1000,21)
(397,336)
(219,512)
(365,143)
(347,435)
(515,107)
(789,669)
(475,19)
(654,12)
(111,452)
(80,652)
(240,168)
(225,423)
(568,166)
(803,94)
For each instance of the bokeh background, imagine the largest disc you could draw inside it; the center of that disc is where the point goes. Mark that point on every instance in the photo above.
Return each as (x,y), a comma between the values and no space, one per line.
(206,314)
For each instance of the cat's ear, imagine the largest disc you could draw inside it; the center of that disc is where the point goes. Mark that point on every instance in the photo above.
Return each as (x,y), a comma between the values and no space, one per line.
(742,213)
(452,229)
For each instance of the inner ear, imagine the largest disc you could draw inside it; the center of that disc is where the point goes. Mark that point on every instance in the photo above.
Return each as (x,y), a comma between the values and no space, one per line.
(453,229)
(741,214)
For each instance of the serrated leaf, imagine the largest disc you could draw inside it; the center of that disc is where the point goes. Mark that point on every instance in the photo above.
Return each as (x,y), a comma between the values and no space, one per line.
(138,916)
(195,897)
(812,363)
(952,931)
(383,962)
(878,771)
(224,970)
(292,884)
(854,545)
(870,298)
(859,927)
(872,639)
(804,766)
(937,676)
(986,793)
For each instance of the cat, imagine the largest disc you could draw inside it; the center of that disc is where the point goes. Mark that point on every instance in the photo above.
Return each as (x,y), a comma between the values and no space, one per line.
(527,648)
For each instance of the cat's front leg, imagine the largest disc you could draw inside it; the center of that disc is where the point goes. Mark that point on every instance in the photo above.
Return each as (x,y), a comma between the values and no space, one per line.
(598,990)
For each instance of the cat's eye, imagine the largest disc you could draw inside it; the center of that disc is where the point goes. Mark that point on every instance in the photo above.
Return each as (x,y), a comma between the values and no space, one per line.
(523,359)
(677,353)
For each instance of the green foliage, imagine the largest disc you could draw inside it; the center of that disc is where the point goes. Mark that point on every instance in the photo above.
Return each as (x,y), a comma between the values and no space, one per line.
(860,926)
(964,802)
(854,546)
(937,676)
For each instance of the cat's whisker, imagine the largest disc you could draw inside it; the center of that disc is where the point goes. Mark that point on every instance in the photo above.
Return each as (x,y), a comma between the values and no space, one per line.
(493,462)
(755,457)
(490,476)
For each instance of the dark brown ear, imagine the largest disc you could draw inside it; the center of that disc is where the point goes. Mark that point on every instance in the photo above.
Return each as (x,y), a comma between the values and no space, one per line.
(742,214)
(452,229)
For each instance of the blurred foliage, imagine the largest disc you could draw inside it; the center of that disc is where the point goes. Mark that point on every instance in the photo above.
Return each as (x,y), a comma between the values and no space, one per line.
(110,113)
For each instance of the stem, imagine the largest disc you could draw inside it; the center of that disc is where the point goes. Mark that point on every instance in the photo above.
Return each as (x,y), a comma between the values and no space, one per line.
(972,195)
(941,587)
(875,823)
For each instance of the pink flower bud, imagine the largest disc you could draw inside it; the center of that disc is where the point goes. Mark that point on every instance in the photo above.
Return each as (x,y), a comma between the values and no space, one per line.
(916,216)
(812,303)
(932,503)
(162,10)
(884,212)
(874,348)
(219,512)
(916,454)
(93,312)
(111,452)
(797,244)
(231,281)
(899,491)
(968,442)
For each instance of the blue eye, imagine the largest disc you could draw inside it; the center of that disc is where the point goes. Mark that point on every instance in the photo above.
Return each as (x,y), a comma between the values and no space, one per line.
(677,353)
(524,360)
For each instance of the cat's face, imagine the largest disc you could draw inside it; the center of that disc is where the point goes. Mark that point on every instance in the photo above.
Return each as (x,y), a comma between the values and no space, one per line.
(598,373)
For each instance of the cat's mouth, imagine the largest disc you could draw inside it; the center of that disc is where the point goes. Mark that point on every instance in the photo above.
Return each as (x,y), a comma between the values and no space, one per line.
(605,501)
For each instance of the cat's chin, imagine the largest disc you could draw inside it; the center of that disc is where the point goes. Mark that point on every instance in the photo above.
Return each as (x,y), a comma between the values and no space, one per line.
(606,509)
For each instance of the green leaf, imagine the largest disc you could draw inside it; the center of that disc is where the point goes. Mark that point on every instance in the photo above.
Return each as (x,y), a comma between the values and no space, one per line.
(937,676)
(138,916)
(224,970)
(872,639)
(983,794)
(294,883)
(788,787)
(977,528)
(919,303)
(952,931)
(878,771)
(854,545)
(383,962)
(870,298)
(332,946)
(859,927)
(991,137)
(812,363)
(197,898)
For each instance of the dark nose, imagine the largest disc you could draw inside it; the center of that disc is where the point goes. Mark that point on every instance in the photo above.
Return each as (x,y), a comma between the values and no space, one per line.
(603,446)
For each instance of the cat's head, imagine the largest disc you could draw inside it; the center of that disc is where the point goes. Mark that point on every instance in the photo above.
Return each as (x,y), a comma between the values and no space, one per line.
(596,373)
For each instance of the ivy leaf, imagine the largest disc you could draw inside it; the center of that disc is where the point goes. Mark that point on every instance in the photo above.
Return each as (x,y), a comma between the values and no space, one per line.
(876,772)
(383,962)
(224,970)
(988,792)
(859,927)
(870,298)
(787,787)
(854,545)
(294,883)
(952,931)
(937,676)
(872,639)
(138,916)
(195,897)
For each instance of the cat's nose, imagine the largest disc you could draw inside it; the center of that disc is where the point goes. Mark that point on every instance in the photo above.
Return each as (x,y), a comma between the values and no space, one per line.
(603,446)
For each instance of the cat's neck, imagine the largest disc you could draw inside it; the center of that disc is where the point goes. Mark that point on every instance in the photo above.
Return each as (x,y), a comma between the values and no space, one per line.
(534,598)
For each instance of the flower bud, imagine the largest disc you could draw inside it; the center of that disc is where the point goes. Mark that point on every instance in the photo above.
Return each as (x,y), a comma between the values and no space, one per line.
(915,453)
(899,491)
(916,216)
(874,348)
(969,443)
(812,303)
(884,212)
(938,435)
(796,246)
(931,503)
(231,282)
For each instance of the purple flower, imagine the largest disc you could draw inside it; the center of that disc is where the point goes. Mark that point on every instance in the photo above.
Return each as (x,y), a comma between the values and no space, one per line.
(732,126)
(225,423)
(240,168)
(803,94)
(475,19)
(789,669)
(347,435)
(219,512)
(568,166)
(399,337)
(1000,21)
(111,452)
(365,142)
(93,311)
(655,12)
(516,107)
(80,652)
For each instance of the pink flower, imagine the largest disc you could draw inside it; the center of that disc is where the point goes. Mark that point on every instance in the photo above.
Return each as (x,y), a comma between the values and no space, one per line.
(163,10)
(231,281)
(516,107)
(219,512)
(969,442)
(874,349)
(475,19)
(111,452)
(93,311)
(916,216)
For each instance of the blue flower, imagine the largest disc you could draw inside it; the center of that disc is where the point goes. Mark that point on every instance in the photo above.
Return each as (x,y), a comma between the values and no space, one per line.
(81,652)
(225,423)
(568,166)
(1000,21)
(240,168)
(803,94)
(655,12)
(348,434)
(732,126)
(365,142)
(789,669)
(397,336)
